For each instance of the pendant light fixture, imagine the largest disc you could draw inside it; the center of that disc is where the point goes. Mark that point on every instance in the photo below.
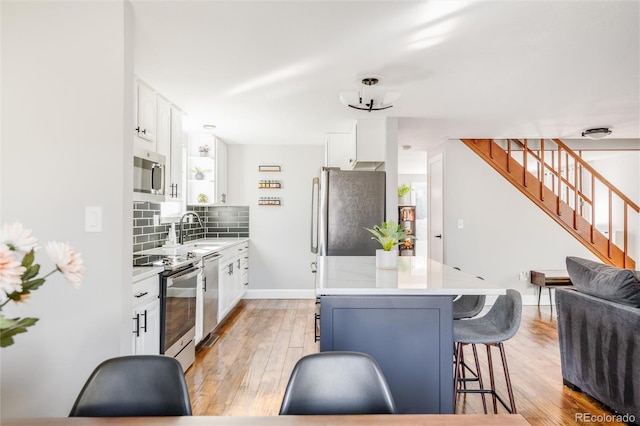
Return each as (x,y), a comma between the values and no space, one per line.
(371,96)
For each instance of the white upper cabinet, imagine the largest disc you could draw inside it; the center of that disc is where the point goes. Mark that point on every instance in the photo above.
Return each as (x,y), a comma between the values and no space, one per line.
(371,144)
(163,124)
(221,172)
(340,150)
(145,117)
(175,176)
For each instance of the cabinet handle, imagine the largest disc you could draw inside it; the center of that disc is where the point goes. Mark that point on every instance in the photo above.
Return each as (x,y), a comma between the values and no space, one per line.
(238,263)
(223,198)
(204,284)
(143,131)
(141,294)
(144,327)
(138,129)
(137,328)
(314,267)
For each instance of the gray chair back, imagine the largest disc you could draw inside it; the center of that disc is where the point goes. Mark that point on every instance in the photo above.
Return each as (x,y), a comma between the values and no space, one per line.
(506,314)
(468,306)
(337,383)
(130,386)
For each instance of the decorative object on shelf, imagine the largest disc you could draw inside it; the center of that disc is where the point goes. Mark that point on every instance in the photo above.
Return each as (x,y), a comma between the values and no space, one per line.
(202,198)
(199,173)
(389,235)
(18,278)
(204,150)
(371,96)
(403,194)
(269,201)
(271,168)
(407,221)
(270,184)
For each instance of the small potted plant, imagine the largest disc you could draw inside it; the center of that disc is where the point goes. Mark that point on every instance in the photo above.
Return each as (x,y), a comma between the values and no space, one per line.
(202,198)
(204,150)
(403,192)
(389,235)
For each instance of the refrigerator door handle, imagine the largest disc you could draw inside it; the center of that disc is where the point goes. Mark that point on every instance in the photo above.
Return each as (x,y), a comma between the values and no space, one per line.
(315,195)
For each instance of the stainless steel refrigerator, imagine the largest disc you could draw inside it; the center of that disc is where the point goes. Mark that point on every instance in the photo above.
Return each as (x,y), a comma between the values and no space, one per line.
(343,204)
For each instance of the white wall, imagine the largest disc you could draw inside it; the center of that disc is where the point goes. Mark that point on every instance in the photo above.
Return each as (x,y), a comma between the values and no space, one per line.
(621,169)
(504,232)
(280,256)
(66,144)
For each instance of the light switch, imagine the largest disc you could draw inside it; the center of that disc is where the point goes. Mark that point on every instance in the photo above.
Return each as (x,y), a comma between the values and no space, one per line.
(93,219)
(460,223)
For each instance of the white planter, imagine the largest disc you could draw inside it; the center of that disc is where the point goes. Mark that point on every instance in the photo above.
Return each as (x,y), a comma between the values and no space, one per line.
(405,200)
(386,259)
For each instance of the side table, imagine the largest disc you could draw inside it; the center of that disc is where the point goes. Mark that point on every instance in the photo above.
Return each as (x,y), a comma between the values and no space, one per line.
(550,279)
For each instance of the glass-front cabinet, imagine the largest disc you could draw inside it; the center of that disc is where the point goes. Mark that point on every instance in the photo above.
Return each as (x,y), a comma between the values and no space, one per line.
(206,170)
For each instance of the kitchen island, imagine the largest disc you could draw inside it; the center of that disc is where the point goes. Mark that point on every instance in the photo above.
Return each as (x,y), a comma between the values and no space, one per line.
(402,317)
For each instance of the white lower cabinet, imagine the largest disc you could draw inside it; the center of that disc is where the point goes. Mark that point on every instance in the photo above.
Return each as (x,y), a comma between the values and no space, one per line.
(146,317)
(232,278)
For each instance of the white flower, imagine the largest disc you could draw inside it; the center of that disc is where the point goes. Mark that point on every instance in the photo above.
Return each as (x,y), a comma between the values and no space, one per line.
(68,262)
(10,273)
(17,238)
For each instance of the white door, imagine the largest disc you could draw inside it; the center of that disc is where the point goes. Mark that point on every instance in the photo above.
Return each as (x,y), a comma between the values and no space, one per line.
(436,246)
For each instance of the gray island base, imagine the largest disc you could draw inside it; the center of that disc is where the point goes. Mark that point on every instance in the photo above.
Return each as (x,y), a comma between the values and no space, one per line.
(405,323)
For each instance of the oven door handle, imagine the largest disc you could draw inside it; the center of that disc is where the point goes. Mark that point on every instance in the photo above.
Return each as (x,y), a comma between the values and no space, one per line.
(185,276)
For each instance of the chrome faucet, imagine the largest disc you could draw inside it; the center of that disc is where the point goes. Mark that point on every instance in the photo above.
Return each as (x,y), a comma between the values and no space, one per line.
(180,234)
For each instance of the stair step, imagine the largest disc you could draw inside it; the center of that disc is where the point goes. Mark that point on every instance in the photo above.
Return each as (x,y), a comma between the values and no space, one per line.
(529,184)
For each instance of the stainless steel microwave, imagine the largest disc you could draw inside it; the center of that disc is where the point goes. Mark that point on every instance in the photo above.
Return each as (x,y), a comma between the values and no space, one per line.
(148,175)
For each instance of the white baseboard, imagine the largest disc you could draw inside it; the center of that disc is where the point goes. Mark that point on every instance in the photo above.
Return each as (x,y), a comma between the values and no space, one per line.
(527,300)
(277,293)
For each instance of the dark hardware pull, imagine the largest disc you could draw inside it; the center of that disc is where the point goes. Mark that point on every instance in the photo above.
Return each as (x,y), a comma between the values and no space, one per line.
(138,129)
(316,327)
(141,294)
(438,236)
(143,131)
(204,283)
(144,327)
(137,330)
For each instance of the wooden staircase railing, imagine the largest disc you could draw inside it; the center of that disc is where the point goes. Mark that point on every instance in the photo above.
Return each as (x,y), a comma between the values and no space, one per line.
(569,190)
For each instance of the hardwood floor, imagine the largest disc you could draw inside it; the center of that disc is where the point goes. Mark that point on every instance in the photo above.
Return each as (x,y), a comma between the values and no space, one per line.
(246,371)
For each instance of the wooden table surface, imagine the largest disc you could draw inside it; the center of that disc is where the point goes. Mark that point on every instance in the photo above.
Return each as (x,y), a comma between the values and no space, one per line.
(400,419)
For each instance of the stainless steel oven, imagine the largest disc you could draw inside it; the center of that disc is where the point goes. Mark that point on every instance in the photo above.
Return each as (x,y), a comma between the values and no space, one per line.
(178,313)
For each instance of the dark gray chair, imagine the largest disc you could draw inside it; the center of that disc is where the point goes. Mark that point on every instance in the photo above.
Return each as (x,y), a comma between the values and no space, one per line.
(130,386)
(464,307)
(498,325)
(334,383)
(468,306)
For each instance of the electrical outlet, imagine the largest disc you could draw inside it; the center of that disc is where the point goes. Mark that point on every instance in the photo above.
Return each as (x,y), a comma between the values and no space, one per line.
(524,276)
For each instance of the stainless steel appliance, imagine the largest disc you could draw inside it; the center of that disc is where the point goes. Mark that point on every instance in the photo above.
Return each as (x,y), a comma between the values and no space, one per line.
(178,290)
(148,175)
(343,204)
(210,267)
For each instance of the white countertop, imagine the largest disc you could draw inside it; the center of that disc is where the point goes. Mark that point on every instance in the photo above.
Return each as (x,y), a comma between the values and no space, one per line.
(207,245)
(416,275)
(200,247)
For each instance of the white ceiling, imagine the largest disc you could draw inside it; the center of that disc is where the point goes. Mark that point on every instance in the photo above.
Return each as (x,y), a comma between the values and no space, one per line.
(268,72)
